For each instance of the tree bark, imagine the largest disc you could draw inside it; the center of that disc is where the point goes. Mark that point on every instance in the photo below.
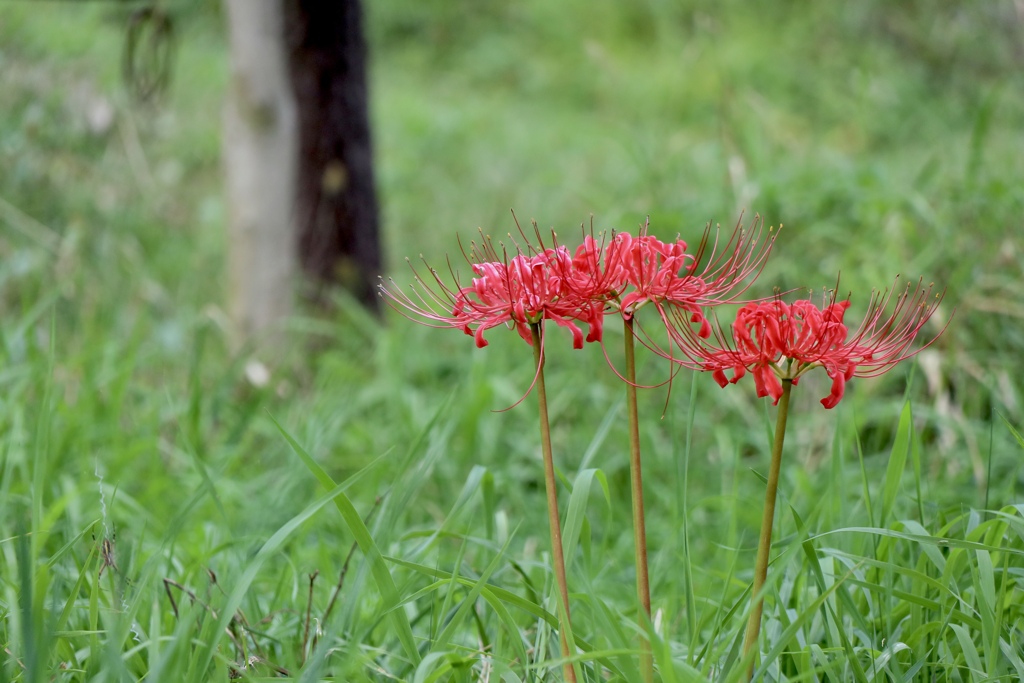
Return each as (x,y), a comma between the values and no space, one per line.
(260,145)
(336,203)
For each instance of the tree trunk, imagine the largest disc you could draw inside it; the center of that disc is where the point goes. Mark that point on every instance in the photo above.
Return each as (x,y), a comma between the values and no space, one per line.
(336,204)
(259,154)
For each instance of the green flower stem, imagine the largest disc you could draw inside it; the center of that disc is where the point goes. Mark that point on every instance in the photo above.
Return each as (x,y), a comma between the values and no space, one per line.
(643,586)
(764,545)
(550,486)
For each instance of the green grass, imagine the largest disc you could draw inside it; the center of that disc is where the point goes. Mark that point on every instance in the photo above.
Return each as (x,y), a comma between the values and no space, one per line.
(884,138)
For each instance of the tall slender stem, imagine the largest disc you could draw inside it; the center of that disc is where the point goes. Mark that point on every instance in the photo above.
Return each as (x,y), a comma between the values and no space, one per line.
(550,486)
(764,545)
(643,586)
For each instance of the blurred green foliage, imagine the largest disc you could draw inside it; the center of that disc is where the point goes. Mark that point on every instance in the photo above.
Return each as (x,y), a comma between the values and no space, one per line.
(886,137)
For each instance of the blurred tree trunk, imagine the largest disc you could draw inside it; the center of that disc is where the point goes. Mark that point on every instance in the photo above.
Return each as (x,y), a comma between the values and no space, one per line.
(336,203)
(260,144)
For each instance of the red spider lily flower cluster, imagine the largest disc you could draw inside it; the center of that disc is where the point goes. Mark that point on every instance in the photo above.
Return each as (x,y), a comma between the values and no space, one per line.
(527,290)
(619,274)
(778,341)
(519,292)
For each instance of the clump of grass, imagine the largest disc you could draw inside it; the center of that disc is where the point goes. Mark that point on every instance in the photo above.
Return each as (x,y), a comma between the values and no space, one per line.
(112,360)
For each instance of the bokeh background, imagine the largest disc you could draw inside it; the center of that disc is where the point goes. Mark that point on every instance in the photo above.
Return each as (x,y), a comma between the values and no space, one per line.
(885,137)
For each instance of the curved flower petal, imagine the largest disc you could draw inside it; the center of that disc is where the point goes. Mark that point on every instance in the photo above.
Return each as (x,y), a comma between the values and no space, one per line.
(838,387)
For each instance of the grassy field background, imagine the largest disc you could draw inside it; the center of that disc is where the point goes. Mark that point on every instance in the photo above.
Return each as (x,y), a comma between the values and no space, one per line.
(887,140)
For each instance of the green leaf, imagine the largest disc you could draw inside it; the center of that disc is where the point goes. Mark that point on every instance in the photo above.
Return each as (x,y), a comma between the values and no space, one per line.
(269,548)
(1014,432)
(470,600)
(1014,657)
(385,583)
(498,597)
(576,511)
(970,653)
(897,463)
(924,540)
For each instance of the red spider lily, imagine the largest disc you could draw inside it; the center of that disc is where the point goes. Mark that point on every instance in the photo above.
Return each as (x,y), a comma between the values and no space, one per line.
(730,268)
(528,290)
(548,283)
(525,290)
(664,273)
(680,285)
(779,341)
(522,292)
(658,271)
(593,284)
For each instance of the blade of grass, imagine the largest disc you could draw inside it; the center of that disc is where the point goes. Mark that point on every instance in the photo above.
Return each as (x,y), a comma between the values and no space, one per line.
(811,556)
(897,463)
(1016,435)
(931,540)
(683,479)
(611,417)
(915,456)
(496,594)
(270,547)
(983,577)
(864,477)
(576,511)
(970,653)
(477,479)
(470,599)
(381,574)
(1013,654)
(784,640)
